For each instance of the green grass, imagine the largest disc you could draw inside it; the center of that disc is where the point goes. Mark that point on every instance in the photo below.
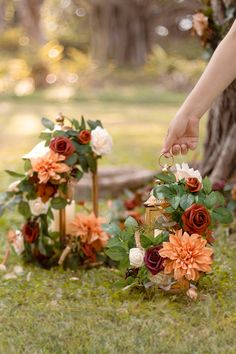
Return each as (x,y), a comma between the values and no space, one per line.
(51,313)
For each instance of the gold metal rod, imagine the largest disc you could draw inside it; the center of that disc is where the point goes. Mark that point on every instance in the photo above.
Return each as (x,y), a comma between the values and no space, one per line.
(62,221)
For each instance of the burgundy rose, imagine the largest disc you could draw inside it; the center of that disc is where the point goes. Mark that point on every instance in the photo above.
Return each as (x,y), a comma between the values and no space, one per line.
(30,231)
(84,136)
(62,145)
(153,261)
(196,219)
(130,204)
(193,184)
(217,186)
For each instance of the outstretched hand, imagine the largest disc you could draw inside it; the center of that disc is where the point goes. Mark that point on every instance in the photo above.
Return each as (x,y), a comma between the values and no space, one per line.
(182,135)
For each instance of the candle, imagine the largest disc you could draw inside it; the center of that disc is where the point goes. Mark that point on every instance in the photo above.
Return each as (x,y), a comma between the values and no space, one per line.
(70,216)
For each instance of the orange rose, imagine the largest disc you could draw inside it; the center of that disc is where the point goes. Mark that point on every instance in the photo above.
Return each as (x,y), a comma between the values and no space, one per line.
(196,219)
(233,193)
(45,191)
(84,137)
(193,184)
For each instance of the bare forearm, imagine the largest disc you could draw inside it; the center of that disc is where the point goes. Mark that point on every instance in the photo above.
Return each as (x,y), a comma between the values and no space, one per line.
(219,73)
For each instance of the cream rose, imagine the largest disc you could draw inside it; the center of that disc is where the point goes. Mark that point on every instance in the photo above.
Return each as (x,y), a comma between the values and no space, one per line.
(38,151)
(37,207)
(136,257)
(184,171)
(101,141)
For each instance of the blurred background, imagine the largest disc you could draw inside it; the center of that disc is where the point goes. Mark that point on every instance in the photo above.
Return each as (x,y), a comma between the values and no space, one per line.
(128,63)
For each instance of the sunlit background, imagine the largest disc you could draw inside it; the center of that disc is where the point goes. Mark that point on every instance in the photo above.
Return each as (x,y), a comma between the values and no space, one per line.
(129,64)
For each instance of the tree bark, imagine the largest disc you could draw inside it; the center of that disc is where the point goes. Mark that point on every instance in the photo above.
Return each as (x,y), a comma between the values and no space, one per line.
(29,14)
(122,30)
(219,161)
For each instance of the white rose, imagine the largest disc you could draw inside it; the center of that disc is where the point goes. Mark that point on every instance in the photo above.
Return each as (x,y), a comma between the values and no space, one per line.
(13,187)
(184,171)
(18,242)
(37,207)
(38,151)
(136,256)
(101,141)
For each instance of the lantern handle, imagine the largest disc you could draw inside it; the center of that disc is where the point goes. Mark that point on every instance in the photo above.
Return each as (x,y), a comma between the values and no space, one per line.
(166,165)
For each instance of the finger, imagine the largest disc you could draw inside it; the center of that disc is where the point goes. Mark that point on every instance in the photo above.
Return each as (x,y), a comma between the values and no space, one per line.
(169,141)
(192,145)
(184,149)
(176,149)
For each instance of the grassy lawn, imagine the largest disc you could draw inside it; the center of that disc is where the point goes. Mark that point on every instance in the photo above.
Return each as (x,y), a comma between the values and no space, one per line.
(82,312)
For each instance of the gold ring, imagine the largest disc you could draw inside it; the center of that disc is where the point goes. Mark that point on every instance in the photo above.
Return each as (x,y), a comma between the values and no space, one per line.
(168,165)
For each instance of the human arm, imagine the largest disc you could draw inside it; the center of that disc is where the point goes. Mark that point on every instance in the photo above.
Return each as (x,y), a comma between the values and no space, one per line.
(220,72)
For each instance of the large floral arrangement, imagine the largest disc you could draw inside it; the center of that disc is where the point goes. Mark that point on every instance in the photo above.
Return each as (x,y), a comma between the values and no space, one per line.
(61,158)
(177,248)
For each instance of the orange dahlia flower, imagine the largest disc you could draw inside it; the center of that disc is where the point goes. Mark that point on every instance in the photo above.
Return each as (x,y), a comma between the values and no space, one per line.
(89,229)
(49,167)
(186,255)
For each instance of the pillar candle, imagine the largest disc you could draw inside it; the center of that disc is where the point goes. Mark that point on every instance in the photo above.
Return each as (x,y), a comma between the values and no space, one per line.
(70,216)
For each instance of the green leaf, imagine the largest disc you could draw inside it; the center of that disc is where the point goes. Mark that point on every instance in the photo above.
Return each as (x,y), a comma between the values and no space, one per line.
(45,136)
(82,124)
(72,160)
(174,201)
(146,241)
(164,236)
(83,163)
(114,242)
(82,149)
(92,162)
(222,215)
(131,222)
(58,203)
(117,253)
(112,229)
(57,133)
(207,187)
(94,124)
(26,186)
(15,174)
(161,192)
(72,133)
(47,123)
(166,177)
(213,199)
(75,123)
(79,174)
(27,165)
(186,200)
(24,209)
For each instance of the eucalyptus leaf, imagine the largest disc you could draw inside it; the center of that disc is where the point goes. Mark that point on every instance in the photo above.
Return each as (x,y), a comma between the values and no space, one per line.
(71,160)
(186,201)
(131,222)
(174,201)
(47,123)
(166,177)
(116,253)
(207,187)
(14,174)
(58,203)
(24,209)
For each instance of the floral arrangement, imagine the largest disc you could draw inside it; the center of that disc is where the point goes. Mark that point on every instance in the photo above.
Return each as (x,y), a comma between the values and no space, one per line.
(59,160)
(176,248)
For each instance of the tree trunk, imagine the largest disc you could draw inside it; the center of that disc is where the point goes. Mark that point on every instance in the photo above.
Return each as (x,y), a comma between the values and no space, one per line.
(122,30)
(219,160)
(29,14)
